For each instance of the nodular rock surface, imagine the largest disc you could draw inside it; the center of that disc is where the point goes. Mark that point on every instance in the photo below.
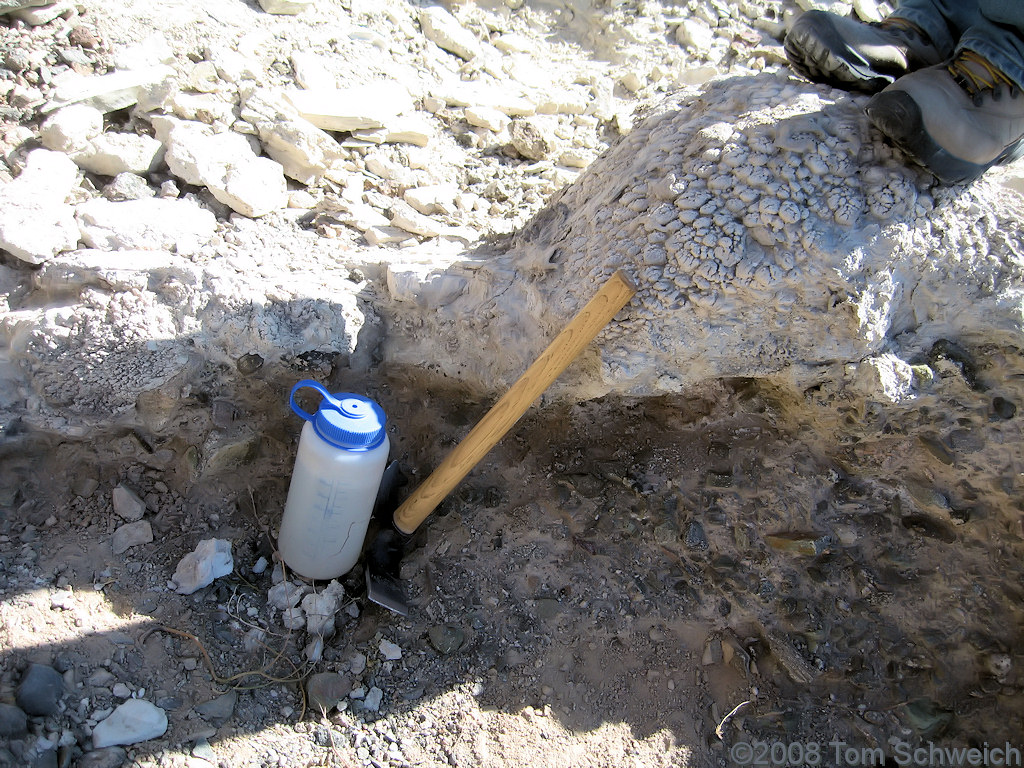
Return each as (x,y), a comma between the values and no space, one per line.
(771,235)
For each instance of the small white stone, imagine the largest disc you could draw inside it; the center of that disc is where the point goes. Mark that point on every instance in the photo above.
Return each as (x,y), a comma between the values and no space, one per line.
(444,30)
(210,560)
(385,235)
(404,217)
(487,117)
(390,651)
(434,198)
(354,108)
(71,128)
(293,618)
(134,721)
(695,34)
(285,7)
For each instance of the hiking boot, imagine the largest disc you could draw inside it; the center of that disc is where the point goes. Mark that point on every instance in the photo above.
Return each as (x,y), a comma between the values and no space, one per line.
(855,55)
(956,119)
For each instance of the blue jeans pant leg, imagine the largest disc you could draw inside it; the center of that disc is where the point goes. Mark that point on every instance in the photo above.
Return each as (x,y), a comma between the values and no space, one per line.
(991,28)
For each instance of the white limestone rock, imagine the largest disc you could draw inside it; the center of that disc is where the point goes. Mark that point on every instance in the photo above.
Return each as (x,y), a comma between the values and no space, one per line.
(310,72)
(771,235)
(285,7)
(209,108)
(112,153)
(42,14)
(432,198)
(107,93)
(534,137)
(445,31)
(304,151)
(124,270)
(356,107)
(9,6)
(71,128)
(320,608)
(487,117)
(409,129)
(386,235)
(404,217)
(134,721)
(151,224)
(35,221)
(210,560)
(224,163)
(152,51)
(695,34)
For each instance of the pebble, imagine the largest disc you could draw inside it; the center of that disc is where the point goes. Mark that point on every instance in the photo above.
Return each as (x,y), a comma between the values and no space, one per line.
(373,699)
(218,711)
(204,751)
(390,651)
(40,690)
(131,535)
(127,504)
(134,721)
(696,538)
(121,691)
(13,721)
(326,689)
(446,639)
(128,186)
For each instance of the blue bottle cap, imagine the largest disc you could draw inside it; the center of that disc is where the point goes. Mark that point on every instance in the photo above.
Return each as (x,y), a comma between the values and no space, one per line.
(345,420)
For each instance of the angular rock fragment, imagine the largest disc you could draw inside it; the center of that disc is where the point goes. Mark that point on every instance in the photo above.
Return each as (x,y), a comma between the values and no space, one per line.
(131,535)
(404,217)
(109,154)
(35,222)
(70,129)
(134,721)
(148,225)
(285,7)
(127,505)
(304,151)
(210,560)
(444,30)
(350,109)
(223,162)
(107,93)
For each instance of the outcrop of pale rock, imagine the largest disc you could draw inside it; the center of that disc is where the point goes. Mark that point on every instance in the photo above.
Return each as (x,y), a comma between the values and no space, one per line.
(770,233)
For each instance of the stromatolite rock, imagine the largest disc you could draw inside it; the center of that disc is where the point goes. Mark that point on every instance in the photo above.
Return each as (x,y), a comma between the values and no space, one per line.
(771,234)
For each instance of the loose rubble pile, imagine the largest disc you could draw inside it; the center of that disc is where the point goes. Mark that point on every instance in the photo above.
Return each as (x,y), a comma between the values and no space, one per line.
(201,205)
(397,154)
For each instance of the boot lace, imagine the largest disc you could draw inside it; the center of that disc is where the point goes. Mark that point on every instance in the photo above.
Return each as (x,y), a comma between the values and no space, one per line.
(976,75)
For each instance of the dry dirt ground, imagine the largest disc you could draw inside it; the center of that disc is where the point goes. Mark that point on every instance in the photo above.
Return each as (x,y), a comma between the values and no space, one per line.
(618,583)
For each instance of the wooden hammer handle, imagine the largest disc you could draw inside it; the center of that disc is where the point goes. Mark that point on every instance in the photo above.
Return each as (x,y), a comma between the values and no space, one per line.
(566,347)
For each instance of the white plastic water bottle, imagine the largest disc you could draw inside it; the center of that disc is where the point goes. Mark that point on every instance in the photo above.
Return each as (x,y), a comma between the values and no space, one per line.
(342,452)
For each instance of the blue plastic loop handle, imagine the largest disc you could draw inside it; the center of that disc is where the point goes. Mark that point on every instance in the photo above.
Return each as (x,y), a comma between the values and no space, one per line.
(332,402)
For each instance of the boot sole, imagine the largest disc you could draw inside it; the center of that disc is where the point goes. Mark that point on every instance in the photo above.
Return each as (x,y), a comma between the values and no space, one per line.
(810,52)
(899,117)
